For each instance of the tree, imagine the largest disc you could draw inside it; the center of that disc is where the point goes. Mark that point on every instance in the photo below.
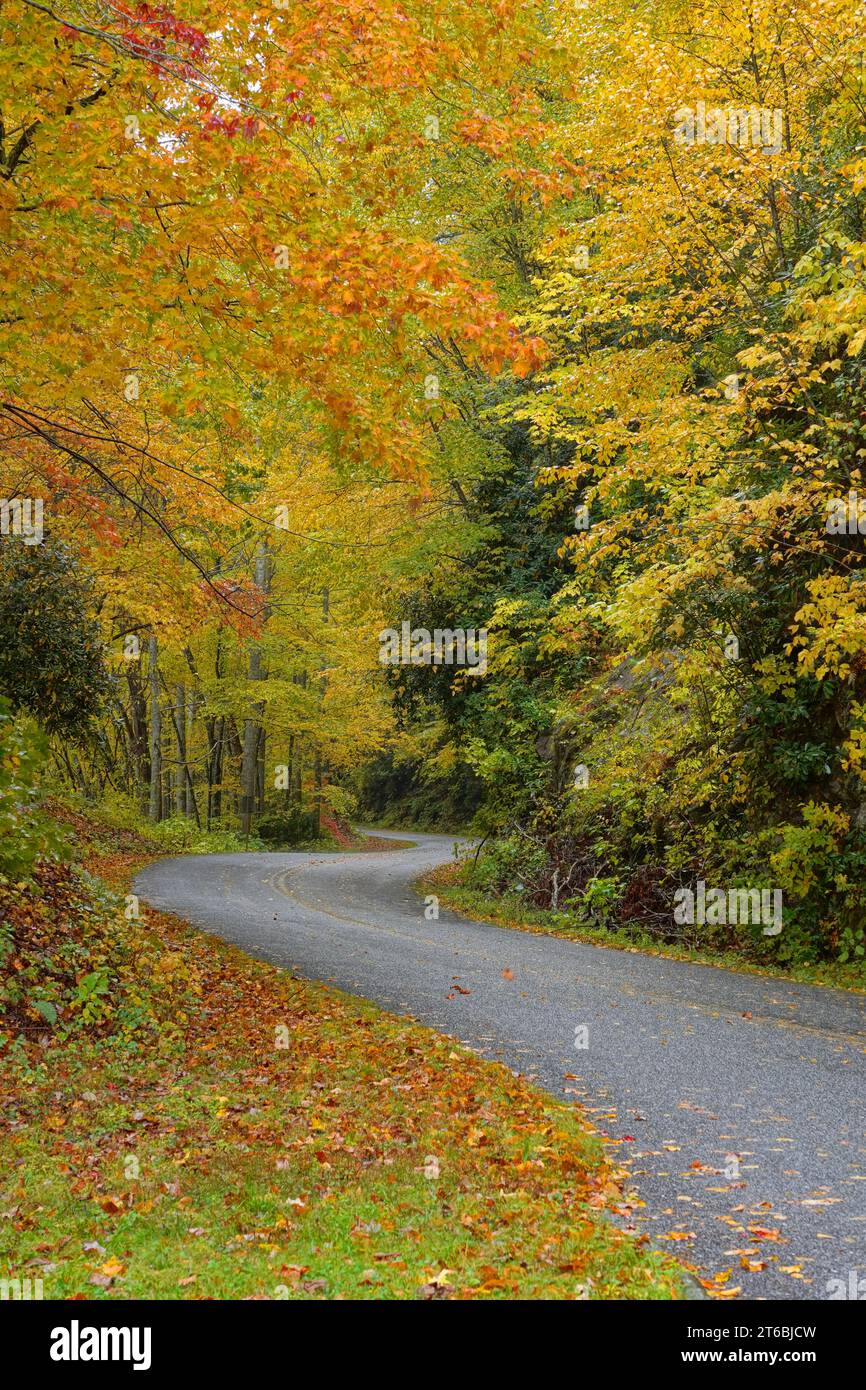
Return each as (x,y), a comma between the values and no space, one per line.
(51,649)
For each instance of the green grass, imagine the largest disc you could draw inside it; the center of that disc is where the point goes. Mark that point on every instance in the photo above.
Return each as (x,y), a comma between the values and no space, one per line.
(286,1211)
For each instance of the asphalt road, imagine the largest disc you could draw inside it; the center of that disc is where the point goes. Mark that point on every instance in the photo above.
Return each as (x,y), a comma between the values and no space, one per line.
(738,1102)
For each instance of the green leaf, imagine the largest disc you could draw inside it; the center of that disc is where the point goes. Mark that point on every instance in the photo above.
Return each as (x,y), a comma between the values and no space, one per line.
(47,1010)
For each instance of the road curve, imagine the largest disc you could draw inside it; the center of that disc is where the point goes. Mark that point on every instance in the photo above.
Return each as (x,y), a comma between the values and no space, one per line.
(737,1101)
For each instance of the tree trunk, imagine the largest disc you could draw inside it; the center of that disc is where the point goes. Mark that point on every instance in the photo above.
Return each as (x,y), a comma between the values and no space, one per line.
(191,807)
(138,728)
(290,771)
(216,772)
(155,806)
(180,736)
(323,685)
(249,760)
(260,772)
(298,772)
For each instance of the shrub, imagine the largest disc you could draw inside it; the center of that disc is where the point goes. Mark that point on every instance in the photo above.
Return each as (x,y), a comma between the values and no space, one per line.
(291,826)
(25,834)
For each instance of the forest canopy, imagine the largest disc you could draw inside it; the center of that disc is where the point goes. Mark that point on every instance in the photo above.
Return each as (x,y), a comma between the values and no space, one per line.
(541,321)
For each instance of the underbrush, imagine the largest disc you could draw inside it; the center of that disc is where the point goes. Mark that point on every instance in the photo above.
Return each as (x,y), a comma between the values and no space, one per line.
(76,957)
(515,882)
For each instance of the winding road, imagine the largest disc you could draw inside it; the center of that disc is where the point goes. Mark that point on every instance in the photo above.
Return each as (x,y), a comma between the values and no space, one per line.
(738,1102)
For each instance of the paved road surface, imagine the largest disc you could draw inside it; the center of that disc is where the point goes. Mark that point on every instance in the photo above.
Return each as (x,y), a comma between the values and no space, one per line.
(738,1101)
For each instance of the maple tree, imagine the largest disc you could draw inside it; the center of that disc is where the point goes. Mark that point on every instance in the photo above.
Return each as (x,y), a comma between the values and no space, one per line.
(217,289)
(670,606)
(320,316)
